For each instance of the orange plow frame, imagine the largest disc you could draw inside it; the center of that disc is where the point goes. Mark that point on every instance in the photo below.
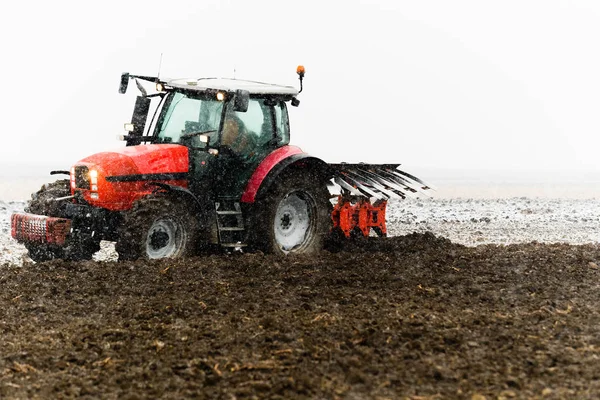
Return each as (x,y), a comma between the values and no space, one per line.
(362,216)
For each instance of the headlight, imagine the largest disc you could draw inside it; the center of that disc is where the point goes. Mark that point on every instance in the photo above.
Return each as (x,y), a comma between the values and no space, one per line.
(72,177)
(93,177)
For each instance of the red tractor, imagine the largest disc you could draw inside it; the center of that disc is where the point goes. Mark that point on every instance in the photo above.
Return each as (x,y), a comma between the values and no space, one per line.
(213,168)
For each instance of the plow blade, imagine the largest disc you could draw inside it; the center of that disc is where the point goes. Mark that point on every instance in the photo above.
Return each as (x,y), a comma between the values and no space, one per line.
(381,181)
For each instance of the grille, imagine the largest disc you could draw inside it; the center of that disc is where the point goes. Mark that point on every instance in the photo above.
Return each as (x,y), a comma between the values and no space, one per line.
(82,177)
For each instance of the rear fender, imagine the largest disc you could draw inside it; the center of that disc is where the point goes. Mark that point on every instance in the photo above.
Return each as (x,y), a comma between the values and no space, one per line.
(313,168)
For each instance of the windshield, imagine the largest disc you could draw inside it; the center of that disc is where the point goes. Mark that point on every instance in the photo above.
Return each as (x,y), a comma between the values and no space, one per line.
(187,115)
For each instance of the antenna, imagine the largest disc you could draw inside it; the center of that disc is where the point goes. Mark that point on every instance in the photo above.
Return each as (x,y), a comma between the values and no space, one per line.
(234,72)
(159,65)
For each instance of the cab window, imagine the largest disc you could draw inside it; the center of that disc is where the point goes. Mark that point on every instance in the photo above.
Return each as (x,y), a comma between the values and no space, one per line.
(258,121)
(249,133)
(189,115)
(282,123)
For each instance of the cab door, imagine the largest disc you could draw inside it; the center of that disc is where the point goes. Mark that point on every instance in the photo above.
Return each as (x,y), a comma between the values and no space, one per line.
(246,138)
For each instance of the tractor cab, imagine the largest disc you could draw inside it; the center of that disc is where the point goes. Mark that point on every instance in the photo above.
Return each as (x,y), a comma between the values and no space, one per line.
(228,125)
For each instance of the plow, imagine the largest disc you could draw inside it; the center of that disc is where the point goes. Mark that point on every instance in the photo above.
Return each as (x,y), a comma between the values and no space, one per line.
(355,212)
(208,164)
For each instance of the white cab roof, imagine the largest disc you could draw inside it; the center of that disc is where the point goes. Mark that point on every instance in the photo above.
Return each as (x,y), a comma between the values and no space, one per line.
(231,85)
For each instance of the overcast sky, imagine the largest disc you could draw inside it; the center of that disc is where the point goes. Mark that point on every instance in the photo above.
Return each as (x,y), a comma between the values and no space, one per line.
(478,85)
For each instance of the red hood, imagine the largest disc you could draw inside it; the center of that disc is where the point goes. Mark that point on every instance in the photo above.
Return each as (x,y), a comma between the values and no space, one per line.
(143,159)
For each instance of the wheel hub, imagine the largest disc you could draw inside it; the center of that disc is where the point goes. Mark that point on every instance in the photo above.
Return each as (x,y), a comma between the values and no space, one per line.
(159,239)
(165,238)
(293,225)
(286,221)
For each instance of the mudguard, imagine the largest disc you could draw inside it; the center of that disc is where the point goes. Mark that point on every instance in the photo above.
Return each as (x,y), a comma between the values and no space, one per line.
(178,191)
(278,162)
(204,208)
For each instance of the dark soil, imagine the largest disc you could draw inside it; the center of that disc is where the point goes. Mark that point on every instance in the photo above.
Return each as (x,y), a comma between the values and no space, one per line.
(415,316)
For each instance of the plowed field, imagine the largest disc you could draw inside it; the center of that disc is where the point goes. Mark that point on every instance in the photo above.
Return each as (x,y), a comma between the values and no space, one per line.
(413,316)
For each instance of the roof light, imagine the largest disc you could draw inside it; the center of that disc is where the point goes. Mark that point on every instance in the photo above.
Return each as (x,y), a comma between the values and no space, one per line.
(220,96)
(129,127)
(300,71)
(159,87)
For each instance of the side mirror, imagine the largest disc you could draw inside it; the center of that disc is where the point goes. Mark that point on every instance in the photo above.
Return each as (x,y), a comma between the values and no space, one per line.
(124,82)
(140,114)
(241,100)
(138,121)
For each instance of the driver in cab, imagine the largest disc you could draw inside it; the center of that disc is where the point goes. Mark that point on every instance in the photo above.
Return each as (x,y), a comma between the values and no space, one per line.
(236,137)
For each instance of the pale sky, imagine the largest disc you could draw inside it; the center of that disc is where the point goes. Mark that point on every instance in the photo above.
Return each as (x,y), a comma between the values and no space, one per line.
(476,85)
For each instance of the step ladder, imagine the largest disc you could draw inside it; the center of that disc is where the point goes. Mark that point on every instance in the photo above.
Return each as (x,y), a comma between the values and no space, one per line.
(230,224)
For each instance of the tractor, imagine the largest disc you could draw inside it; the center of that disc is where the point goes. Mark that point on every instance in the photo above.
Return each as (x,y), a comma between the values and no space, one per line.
(207,165)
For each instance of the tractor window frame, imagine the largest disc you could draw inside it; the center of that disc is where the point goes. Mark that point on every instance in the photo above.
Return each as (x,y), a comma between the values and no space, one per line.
(203,96)
(154,121)
(282,121)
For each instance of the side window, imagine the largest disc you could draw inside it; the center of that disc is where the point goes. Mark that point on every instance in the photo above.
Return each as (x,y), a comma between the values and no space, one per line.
(248,133)
(258,121)
(282,124)
(210,119)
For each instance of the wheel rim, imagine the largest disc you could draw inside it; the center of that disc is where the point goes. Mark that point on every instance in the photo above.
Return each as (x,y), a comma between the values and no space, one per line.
(165,238)
(294,221)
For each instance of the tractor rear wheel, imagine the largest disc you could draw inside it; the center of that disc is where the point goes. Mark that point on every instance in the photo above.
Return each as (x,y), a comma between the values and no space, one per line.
(294,217)
(157,227)
(42,203)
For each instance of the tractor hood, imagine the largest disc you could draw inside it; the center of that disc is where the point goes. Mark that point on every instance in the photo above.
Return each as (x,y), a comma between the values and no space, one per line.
(140,160)
(116,179)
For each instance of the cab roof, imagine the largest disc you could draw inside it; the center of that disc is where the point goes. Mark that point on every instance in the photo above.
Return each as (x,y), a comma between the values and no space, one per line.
(231,85)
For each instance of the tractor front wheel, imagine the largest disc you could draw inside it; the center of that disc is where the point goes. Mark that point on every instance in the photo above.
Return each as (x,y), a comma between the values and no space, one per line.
(44,252)
(157,227)
(294,217)
(43,202)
